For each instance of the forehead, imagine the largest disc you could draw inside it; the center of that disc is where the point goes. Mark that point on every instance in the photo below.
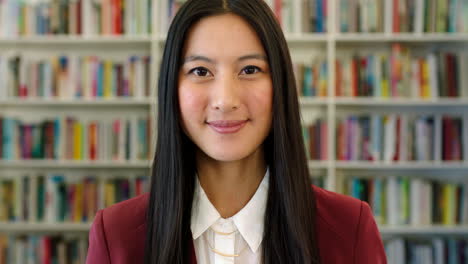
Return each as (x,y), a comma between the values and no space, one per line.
(222,36)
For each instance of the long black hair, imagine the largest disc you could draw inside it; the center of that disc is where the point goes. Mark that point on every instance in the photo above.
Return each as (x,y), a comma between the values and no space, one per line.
(290,235)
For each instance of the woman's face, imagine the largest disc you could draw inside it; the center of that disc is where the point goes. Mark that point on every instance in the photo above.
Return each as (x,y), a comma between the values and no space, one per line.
(225,88)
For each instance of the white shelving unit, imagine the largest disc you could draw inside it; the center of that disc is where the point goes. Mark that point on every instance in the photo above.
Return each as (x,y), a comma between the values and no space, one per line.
(303,46)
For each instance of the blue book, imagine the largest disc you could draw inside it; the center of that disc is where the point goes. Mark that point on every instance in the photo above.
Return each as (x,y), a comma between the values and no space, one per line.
(320,16)
(100,79)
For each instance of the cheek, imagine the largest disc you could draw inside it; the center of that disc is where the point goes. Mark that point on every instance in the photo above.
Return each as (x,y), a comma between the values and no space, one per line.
(191,105)
(260,101)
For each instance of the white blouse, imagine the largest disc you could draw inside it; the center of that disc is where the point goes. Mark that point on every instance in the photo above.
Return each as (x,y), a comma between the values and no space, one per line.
(239,234)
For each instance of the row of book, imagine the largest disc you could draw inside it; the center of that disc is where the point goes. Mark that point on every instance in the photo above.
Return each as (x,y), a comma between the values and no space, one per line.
(429,16)
(312,79)
(436,250)
(360,16)
(74,76)
(402,137)
(124,138)
(63,196)
(75,17)
(315,139)
(313,15)
(411,200)
(396,16)
(44,249)
(402,74)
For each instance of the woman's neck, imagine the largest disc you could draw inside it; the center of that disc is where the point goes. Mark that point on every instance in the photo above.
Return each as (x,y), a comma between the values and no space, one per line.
(230,185)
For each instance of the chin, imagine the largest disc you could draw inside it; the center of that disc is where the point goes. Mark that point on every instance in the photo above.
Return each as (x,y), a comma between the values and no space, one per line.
(228,154)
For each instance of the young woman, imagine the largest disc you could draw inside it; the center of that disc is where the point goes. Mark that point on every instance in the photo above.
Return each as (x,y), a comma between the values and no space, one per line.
(230,181)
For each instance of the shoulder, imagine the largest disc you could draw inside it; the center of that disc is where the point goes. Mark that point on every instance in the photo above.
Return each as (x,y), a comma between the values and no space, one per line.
(337,211)
(346,229)
(127,215)
(118,233)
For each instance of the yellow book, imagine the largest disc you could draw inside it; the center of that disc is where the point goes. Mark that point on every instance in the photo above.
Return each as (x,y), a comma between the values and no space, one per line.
(426,90)
(385,78)
(109,195)
(448,210)
(107,78)
(77,141)
(78,203)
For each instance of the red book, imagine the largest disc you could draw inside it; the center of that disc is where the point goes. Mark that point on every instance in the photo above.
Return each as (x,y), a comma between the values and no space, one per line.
(78,15)
(446,134)
(396,17)
(323,138)
(46,250)
(396,157)
(354,77)
(338,78)
(92,141)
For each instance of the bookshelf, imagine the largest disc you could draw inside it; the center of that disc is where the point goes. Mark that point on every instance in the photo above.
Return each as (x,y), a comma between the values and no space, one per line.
(324,40)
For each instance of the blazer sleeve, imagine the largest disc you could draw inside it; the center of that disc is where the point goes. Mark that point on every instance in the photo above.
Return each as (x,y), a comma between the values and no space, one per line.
(98,251)
(368,248)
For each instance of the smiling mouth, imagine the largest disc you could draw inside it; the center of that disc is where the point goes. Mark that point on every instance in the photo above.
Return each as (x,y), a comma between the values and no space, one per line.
(227,126)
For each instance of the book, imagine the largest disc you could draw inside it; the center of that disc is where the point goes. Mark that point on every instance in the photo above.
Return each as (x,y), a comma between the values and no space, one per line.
(69,76)
(71,197)
(124,138)
(411,201)
(401,137)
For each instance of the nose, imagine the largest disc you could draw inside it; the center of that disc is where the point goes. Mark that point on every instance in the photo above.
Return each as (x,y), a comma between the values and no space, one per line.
(225,96)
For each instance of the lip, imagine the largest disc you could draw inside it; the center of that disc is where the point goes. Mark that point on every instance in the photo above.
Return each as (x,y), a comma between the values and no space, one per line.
(227,126)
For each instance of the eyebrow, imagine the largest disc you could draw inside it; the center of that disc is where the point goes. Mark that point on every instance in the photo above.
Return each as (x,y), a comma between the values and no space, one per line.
(246,57)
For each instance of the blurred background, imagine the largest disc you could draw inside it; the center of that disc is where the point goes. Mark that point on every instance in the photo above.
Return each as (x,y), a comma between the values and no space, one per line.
(383,90)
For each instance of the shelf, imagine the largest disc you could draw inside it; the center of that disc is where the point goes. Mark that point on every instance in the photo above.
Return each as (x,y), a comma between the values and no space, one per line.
(44,227)
(401,37)
(77,39)
(76,102)
(424,230)
(317,164)
(370,101)
(290,37)
(51,164)
(313,101)
(84,227)
(407,165)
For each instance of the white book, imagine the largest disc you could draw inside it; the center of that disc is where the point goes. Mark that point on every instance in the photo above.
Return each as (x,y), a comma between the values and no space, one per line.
(140,78)
(415,201)
(438,138)
(388,20)
(415,84)
(404,138)
(364,15)
(32,196)
(393,208)
(433,76)
(419,17)
(18,199)
(389,137)
(438,245)
(128,18)
(88,22)
(48,80)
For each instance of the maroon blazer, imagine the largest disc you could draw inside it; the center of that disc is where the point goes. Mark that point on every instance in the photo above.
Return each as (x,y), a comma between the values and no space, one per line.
(346,232)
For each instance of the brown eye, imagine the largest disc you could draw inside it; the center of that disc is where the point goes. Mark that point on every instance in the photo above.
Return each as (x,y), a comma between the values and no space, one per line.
(251,69)
(200,71)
